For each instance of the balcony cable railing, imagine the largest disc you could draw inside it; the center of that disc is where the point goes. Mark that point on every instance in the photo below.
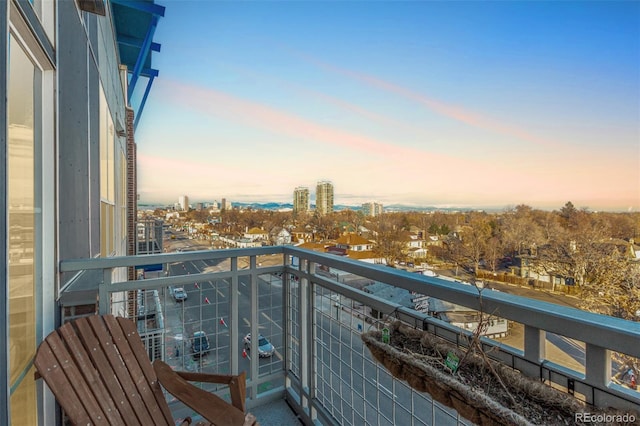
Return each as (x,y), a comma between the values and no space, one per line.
(311,315)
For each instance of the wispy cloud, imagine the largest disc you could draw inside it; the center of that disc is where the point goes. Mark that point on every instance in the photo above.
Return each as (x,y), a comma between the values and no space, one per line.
(342,104)
(455,112)
(210,101)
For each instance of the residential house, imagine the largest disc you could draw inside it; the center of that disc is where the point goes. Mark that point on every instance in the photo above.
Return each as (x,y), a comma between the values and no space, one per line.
(256,234)
(301,235)
(356,247)
(279,236)
(414,246)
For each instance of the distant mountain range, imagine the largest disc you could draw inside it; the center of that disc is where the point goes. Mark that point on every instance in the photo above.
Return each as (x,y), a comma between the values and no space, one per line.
(338,207)
(288,206)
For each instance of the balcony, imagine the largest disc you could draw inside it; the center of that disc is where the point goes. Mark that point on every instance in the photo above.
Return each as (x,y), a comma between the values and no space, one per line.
(310,307)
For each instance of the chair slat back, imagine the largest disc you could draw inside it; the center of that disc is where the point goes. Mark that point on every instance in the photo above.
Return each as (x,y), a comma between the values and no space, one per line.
(99,372)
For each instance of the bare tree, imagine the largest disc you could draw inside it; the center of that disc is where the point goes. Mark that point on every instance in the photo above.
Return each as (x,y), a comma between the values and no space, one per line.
(493,252)
(518,230)
(454,252)
(612,285)
(388,238)
(475,239)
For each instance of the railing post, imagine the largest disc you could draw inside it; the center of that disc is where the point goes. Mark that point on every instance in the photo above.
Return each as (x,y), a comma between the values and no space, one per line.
(306,333)
(104,295)
(234,315)
(310,358)
(255,329)
(597,365)
(534,348)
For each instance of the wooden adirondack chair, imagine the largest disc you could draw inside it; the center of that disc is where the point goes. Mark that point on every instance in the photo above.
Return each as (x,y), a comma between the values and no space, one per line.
(100,374)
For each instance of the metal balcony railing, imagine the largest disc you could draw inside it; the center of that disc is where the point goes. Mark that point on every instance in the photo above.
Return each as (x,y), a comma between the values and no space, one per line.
(311,310)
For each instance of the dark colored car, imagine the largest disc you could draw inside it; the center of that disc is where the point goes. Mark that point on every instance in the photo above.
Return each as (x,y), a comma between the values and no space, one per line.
(199,344)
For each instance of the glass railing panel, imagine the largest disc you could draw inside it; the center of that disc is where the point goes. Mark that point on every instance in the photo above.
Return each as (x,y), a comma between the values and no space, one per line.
(514,338)
(350,385)
(625,372)
(243,262)
(270,326)
(566,352)
(294,327)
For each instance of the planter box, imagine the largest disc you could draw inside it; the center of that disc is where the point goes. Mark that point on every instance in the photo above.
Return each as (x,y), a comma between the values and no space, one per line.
(419,359)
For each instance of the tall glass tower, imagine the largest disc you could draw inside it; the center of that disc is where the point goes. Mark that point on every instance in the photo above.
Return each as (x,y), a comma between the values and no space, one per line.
(300,200)
(324,197)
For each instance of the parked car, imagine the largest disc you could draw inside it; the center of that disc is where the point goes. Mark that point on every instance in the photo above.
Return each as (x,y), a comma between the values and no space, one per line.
(265,348)
(199,344)
(179,294)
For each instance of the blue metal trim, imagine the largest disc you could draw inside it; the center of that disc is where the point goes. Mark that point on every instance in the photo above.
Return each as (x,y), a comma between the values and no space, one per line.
(149,72)
(136,42)
(142,55)
(144,100)
(142,6)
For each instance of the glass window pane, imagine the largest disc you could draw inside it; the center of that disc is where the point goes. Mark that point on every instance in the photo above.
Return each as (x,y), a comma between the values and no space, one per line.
(21,198)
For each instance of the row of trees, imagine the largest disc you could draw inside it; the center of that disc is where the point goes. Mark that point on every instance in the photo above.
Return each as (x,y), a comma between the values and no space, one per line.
(590,248)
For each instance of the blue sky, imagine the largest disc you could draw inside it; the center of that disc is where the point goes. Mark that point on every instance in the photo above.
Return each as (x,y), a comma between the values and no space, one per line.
(471,104)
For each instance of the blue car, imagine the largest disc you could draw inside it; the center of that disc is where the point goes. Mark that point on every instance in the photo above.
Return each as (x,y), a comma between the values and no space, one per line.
(265,348)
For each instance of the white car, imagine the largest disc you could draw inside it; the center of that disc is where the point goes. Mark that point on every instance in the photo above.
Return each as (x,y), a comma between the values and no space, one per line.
(265,348)
(179,294)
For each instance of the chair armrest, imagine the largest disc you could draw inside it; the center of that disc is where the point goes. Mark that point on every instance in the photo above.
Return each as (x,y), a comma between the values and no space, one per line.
(208,405)
(205,377)
(237,384)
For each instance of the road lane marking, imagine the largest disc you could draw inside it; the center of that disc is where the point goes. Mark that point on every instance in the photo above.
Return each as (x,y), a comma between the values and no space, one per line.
(387,391)
(269,319)
(249,324)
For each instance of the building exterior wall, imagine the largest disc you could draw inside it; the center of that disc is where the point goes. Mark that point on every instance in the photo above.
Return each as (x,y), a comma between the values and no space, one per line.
(60,104)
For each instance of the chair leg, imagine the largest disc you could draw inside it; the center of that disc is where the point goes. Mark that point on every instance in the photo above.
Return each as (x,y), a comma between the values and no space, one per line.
(238,390)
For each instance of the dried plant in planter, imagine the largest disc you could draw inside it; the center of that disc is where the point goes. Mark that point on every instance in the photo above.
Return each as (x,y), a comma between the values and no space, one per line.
(481,390)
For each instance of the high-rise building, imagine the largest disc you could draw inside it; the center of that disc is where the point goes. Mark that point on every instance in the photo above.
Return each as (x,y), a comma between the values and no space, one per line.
(300,200)
(372,209)
(324,197)
(225,204)
(183,200)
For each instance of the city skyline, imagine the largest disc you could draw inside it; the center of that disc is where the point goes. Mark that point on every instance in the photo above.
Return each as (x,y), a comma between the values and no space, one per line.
(465,104)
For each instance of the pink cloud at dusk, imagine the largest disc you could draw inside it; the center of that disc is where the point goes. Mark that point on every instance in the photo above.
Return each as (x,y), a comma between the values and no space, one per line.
(447,110)
(328,99)
(209,101)
(371,166)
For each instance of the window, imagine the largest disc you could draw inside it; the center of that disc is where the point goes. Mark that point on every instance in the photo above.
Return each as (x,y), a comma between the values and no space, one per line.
(107,179)
(21,188)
